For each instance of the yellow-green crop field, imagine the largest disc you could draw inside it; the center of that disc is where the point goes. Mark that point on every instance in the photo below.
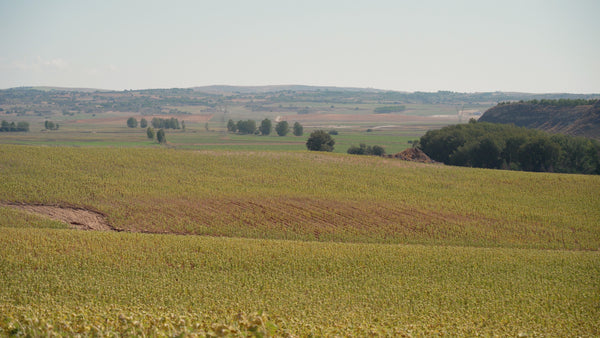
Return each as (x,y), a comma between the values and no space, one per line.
(294,243)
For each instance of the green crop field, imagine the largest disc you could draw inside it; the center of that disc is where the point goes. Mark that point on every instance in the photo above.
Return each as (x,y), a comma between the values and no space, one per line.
(293,243)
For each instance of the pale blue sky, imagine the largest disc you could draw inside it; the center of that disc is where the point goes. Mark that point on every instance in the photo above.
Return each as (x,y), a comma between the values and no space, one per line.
(526,45)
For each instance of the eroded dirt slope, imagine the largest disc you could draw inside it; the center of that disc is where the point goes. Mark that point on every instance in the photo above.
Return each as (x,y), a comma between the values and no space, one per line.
(77,218)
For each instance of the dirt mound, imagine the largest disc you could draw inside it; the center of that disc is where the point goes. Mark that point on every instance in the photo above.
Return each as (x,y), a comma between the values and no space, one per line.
(77,218)
(414,155)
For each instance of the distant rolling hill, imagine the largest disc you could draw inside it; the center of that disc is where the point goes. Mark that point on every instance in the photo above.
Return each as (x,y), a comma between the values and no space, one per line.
(219,89)
(553,116)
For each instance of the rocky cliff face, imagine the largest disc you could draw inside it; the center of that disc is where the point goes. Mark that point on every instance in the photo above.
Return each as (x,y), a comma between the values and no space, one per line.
(580,120)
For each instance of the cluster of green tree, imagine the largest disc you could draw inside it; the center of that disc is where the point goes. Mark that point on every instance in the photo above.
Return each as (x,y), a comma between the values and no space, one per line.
(171,123)
(6,126)
(557,102)
(249,127)
(242,126)
(501,146)
(49,125)
(157,123)
(320,140)
(363,149)
(160,135)
(389,109)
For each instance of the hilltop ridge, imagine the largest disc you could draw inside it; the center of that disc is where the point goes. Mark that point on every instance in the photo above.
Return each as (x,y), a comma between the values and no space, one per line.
(551,116)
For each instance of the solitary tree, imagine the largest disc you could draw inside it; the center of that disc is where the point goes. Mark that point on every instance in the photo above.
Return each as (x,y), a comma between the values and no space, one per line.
(132,122)
(51,125)
(143,123)
(320,140)
(282,128)
(298,129)
(160,136)
(150,133)
(265,127)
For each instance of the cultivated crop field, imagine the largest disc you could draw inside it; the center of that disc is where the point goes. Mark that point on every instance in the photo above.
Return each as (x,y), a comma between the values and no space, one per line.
(293,243)
(94,283)
(308,196)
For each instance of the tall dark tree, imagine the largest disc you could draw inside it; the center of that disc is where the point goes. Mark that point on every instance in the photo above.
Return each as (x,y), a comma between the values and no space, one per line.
(150,133)
(282,128)
(231,126)
(265,127)
(298,129)
(143,123)
(160,136)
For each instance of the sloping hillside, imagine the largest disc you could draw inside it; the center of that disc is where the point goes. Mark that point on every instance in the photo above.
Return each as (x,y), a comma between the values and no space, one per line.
(551,116)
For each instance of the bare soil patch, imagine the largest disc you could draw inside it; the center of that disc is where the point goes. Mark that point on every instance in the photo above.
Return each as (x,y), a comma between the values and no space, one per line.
(77,218)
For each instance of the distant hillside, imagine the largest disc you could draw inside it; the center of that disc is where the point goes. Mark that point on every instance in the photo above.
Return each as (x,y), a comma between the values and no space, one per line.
(66,89)
(226,89)
(570,117)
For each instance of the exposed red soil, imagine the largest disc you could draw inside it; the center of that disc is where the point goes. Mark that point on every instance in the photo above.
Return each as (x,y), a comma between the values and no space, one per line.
(301,215)
(320,217)
(77,218)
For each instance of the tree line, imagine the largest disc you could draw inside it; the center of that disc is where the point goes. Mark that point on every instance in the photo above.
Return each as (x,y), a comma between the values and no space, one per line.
(6,126)
(364,149)
(282,128)
(171,123)
(502,146)
(158,123)
(557,102)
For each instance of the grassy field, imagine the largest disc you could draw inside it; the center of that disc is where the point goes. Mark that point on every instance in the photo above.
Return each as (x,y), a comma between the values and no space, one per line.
(294,243)
(198,138)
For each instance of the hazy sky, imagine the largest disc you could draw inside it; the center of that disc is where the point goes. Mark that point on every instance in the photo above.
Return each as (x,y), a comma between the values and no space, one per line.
(420,45)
